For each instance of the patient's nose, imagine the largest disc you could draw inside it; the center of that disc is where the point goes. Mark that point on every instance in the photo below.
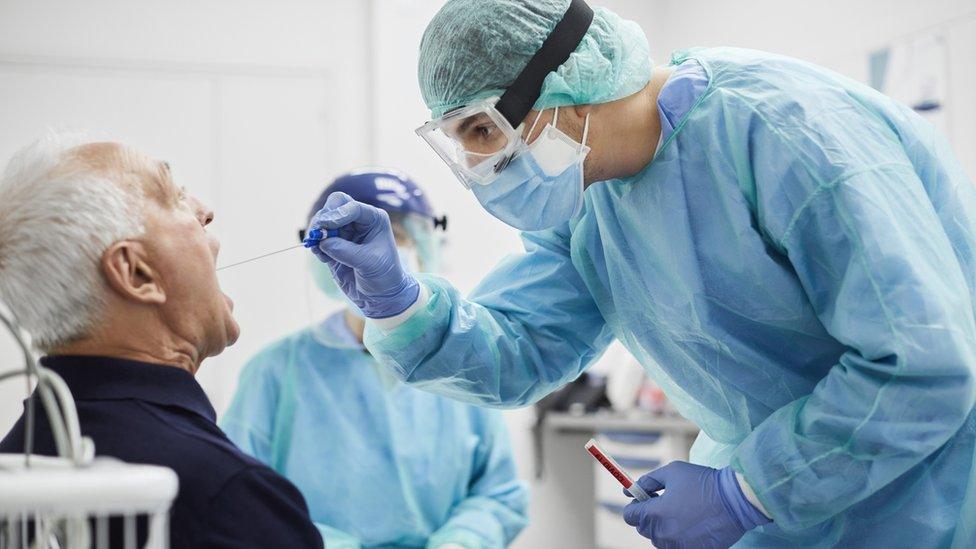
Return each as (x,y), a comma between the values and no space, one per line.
(204,214)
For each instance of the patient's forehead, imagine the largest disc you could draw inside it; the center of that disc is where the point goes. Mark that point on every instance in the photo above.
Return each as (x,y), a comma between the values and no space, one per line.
(127,166)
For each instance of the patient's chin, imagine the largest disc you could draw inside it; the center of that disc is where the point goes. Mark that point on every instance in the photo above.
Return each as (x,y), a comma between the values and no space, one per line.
(233,332)
(229,329)
(232,329)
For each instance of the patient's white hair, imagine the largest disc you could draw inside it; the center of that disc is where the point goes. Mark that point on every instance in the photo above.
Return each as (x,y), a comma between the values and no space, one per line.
(57,218)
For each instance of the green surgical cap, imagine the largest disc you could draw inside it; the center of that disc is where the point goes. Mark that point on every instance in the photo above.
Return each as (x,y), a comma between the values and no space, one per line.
(474,49)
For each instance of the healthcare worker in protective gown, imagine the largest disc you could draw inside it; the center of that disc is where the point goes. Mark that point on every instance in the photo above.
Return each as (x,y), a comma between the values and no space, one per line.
(789,253)
(380,464)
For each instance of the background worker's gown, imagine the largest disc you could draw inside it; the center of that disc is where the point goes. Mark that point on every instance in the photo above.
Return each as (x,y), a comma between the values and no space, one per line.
(796,269)
(379,463)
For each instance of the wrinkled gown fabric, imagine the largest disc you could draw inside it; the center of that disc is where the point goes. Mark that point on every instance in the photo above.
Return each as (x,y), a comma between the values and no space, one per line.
(796,268)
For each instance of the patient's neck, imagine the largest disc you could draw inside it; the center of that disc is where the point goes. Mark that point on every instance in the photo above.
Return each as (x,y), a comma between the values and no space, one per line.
(143,340)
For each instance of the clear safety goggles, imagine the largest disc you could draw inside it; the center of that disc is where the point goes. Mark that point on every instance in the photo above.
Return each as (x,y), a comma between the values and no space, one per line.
(426,240)
(476,141)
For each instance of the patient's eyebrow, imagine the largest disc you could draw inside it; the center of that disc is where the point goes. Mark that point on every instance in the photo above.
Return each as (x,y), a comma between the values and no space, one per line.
(167,189)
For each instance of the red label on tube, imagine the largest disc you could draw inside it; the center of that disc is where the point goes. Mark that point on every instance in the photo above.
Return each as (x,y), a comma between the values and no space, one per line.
(609,464)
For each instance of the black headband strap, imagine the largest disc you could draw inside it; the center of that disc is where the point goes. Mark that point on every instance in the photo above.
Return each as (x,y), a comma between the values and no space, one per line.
(521,96)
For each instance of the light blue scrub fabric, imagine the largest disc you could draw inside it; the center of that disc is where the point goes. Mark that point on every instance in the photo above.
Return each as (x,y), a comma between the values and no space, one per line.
(796,268)
(380,464)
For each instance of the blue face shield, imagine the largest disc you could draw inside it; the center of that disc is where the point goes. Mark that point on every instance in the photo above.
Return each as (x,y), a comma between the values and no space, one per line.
(542,187)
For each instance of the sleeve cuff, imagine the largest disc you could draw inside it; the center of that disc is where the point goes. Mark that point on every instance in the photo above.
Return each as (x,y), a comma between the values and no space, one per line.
(455,536)
(750,495)
(391,323)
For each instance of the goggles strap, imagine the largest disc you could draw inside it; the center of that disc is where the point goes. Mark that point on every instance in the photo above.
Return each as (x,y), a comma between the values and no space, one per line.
(567,35)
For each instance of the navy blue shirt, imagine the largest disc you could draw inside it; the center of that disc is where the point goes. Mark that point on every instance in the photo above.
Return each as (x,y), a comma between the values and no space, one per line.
(159,415)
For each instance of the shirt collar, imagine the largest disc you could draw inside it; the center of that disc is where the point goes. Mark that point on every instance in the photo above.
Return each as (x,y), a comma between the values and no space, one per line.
(107,378)
(334,332)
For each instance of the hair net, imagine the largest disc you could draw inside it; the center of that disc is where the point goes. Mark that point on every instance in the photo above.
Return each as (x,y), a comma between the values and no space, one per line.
(474,49)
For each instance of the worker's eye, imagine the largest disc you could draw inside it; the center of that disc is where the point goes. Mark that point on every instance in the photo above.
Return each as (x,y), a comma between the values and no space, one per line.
(485,131)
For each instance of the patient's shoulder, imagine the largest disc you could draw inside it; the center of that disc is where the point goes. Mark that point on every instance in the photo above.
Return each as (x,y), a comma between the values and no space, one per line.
(195,447)
(260,508)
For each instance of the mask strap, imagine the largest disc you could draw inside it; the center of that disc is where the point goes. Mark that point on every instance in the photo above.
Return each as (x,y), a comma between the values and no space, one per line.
(532,129)
(586,130)
(555,119)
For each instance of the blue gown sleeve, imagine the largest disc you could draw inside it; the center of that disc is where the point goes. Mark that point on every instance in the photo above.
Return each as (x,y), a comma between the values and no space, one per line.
(839,196)
(496,508)
(250,418)
(530,327)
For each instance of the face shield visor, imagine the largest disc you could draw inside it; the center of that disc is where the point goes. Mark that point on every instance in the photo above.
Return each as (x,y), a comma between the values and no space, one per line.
(417,233)
(480,140)
(476,141)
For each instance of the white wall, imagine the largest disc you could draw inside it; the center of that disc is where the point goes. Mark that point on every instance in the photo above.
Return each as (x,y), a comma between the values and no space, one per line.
(837,34)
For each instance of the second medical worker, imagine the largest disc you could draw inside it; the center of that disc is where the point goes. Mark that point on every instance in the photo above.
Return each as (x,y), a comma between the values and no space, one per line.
(790,254)
(380,464)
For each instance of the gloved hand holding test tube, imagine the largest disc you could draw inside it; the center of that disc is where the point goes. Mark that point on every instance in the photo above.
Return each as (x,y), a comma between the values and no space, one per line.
(618,473)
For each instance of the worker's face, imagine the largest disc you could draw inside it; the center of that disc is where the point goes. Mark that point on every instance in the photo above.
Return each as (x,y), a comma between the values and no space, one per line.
(477,134)
(479,137)
(572,121)
(183,254)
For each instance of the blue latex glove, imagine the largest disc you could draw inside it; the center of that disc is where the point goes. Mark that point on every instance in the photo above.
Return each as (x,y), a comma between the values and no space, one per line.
(700,507)
(363,257)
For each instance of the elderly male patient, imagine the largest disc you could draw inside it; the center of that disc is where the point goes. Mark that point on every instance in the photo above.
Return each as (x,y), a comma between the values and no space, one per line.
(110,267)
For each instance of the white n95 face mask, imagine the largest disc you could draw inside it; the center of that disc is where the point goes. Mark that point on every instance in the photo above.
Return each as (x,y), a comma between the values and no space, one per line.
(542,187)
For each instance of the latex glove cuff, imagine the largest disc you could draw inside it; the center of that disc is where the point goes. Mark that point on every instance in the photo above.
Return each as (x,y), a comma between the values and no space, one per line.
(735,501)
(381,307)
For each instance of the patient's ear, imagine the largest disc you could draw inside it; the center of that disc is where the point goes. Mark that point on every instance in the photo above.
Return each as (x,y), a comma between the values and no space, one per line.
(128,272)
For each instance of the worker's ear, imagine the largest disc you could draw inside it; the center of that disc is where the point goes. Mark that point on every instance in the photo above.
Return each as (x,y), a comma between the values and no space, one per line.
(129,274)
(582,110)
(579,114)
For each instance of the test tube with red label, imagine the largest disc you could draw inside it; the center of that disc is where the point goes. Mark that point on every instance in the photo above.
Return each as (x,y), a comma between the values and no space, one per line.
(618,473)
